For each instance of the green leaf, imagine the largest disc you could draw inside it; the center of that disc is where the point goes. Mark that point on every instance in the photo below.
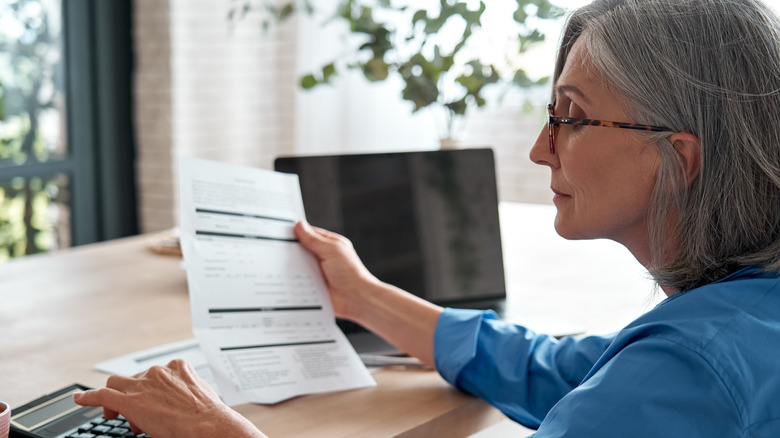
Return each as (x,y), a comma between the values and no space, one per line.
(458,107)
(421,91)
(421,77)
(461,44)
(307,7)
(442,63)
(328,71)
(530,39)
(547,10)
(427,68)
(536,36)
(345,11)
(420,15)
(271,9)
(521,79)
(286,11)
(542,81)
(434,24)
(365,22)
(308,82)
(481,74)
(381,42)
(375,70)
(520,15)
(474,82)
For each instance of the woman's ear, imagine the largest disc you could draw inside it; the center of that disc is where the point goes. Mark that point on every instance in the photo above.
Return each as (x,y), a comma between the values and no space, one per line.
(689,148)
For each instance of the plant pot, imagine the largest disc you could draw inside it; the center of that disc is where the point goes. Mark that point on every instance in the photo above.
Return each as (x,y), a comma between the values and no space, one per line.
(449,143)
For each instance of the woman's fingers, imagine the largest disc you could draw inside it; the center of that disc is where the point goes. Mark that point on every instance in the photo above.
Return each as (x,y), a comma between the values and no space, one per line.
(308,237)
(327,234)
(123,383)
(109,399)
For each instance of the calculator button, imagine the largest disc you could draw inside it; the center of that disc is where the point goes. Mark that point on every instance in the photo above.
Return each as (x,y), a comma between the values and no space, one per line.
(114,423)
(118,431)
(100,429)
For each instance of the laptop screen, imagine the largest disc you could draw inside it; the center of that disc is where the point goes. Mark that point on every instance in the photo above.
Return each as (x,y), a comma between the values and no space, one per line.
(426,222)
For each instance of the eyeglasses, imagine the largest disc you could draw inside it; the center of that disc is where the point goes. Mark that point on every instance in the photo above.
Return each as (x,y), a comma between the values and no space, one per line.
(554,122)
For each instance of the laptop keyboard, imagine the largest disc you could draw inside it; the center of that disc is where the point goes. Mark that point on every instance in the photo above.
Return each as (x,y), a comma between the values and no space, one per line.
(349,327)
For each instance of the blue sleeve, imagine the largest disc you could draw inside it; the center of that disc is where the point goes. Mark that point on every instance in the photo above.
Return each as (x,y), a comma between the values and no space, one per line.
(651,388)
(516,370)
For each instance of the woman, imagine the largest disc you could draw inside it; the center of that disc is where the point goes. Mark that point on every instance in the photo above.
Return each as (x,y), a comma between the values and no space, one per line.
(687,177)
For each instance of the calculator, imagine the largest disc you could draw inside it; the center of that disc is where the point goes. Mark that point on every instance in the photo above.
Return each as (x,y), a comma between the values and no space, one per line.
(57,416)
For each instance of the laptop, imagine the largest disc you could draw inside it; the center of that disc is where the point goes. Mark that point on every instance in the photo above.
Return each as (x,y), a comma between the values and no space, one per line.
(425,221)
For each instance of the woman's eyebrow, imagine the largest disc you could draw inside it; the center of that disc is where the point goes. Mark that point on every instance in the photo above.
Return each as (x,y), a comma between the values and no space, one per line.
(571,89)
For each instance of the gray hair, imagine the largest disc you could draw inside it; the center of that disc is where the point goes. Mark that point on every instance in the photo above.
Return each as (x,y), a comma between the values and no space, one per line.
(710,68)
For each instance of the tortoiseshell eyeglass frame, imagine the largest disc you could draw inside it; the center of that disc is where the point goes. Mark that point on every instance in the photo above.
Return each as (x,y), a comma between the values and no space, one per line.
(553,122)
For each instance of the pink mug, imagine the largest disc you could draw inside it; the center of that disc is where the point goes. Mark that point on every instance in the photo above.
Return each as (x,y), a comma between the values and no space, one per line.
(5,419)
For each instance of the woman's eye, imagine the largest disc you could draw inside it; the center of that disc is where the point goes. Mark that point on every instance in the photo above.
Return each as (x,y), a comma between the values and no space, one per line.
(575,111)
(562,107)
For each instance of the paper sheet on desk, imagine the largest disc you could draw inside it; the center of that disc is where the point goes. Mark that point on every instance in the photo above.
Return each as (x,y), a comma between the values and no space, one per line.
(139,361)
(260,308)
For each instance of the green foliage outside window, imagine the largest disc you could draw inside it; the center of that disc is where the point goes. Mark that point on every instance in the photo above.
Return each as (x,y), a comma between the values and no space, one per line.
(29,212)
(33,210)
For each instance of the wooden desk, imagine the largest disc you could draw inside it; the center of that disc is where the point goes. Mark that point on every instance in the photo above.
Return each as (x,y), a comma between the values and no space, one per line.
(61,313)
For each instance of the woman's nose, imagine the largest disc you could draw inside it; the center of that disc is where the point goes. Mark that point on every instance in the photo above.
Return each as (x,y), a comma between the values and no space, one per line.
(540,152)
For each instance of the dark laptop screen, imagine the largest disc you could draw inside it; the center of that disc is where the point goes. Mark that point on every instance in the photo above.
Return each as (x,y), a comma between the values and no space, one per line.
(426,222)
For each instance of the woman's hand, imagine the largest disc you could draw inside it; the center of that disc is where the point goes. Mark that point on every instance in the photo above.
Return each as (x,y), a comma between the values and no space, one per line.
(347,278)
(403,319)
(170,401)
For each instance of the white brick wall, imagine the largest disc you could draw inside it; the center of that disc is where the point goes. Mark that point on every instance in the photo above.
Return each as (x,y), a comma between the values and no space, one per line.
(152,112)
(203,89)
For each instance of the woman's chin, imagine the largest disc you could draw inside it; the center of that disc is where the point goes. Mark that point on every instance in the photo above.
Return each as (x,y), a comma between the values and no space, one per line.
(570,229)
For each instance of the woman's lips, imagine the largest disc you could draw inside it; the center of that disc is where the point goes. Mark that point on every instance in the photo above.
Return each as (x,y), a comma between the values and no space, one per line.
(559,196)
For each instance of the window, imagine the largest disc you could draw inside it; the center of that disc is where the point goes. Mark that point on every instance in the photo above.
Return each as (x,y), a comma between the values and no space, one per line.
(66,150)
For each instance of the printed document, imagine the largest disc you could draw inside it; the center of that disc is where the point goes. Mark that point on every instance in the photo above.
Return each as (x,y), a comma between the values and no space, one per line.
(260,309)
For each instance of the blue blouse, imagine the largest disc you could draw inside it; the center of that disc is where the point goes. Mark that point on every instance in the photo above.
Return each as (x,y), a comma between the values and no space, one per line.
(705,363)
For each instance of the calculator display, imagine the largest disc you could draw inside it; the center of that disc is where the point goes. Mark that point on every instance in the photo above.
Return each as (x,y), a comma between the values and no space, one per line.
(47,413)
(56,415)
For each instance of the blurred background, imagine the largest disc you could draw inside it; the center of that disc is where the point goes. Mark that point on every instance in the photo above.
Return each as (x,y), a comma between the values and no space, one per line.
(98,98)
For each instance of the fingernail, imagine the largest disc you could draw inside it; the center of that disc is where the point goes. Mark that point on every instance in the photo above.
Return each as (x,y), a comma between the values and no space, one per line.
(77,396)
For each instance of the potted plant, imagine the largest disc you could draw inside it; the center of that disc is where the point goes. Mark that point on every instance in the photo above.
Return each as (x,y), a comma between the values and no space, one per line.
(440,73)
